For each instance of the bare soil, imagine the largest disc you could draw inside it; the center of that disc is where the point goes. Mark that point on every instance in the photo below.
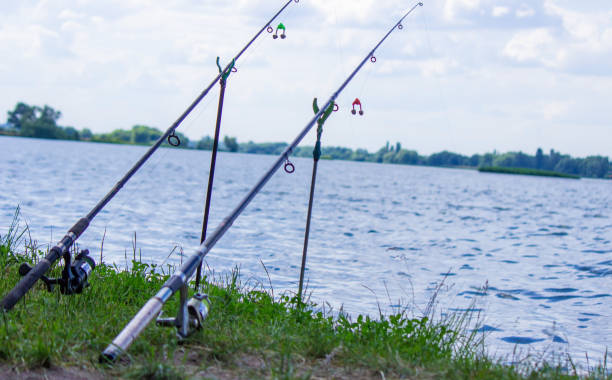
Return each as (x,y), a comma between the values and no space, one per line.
(53,373)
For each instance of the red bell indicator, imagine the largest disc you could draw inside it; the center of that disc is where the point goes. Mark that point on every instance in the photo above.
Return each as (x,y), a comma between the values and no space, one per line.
(357,102)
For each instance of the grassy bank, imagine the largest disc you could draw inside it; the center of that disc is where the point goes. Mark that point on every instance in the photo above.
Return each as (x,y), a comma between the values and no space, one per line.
(250,333)
(522,171)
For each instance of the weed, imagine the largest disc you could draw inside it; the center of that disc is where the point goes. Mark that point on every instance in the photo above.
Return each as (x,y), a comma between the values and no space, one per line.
(250,333)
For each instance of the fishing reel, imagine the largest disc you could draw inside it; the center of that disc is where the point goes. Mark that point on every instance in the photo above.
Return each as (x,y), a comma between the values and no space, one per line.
(74,275)
(191,314)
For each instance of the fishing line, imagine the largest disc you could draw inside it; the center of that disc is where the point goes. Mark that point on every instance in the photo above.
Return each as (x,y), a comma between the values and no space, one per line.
(440,87)
(339,44)
(359,98)
(188,314)
(316,156)
(340,48)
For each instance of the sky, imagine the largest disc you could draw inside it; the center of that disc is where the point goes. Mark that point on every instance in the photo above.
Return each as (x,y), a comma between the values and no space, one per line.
(469,76)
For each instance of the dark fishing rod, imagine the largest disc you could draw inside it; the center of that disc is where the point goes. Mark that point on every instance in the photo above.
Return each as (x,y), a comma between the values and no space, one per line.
(31,275)
(188,315)
(213,162)
(316,155)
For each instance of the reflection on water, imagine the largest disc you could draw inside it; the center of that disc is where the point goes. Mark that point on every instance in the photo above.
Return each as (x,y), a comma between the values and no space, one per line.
(382,235)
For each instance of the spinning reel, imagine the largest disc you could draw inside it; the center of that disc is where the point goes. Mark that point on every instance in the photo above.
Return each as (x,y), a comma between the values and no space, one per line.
(191,314)
(74,275)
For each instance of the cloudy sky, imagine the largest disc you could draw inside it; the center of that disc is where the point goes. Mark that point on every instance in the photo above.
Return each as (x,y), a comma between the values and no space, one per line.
(468,76)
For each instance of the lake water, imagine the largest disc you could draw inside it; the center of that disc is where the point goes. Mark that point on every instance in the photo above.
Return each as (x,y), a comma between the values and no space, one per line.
(383,236)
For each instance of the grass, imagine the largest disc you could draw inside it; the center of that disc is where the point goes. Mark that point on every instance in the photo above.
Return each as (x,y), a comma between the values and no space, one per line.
(523,171)
(249,334)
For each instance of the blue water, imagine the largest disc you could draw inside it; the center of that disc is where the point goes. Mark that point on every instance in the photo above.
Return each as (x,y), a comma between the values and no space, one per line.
(383,236)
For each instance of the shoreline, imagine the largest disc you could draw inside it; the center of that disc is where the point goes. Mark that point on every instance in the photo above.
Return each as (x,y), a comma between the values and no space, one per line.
(249,333)
(529,172)
(306,152)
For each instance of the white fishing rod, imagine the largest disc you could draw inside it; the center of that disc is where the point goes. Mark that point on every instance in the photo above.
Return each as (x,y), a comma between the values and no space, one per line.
(191,313)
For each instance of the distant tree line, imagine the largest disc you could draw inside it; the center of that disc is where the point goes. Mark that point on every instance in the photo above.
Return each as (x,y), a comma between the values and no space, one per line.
(592,166)
(33,121)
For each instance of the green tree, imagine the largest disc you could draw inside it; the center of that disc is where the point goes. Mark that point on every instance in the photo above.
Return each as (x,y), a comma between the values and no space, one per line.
(487,159)
(505,160)
(44,124)
(539,159)
(337,152)
(522,160)
(49,115)
(475,160)
(360,155)
(205,143)
(86,134)
(142,134)
(71,133)
(407,157)
(446,158)
(553,159)
(262,148)
(22,114)
(230,143)
(595,166)
(34,121)
(568,165)
(378,156)
(389,157)
(120,136)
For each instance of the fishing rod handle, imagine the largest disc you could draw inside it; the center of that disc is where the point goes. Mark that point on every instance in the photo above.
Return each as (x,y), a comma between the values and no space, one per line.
(131,331)
(27,281)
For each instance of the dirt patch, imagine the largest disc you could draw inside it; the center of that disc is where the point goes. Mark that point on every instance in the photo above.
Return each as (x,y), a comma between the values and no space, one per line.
(53,373)
(244,367)
(249,366)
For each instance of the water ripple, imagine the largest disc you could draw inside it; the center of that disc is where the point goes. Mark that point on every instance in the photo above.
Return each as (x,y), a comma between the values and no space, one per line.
(529,254)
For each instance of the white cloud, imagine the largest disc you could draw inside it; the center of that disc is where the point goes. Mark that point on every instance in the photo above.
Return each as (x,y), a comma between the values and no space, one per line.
(581,43)
(524,12)
(437,67)
(554,110)
(68,14)
(588,28)
(139,61)
(71,26)
(352,11)
(453,7)
(500,11)
(534,45)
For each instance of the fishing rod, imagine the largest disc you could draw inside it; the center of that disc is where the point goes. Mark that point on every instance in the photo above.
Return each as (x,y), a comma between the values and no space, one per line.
(71,283)
(213,162)
(316,155)
(215,147)
(188,315)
